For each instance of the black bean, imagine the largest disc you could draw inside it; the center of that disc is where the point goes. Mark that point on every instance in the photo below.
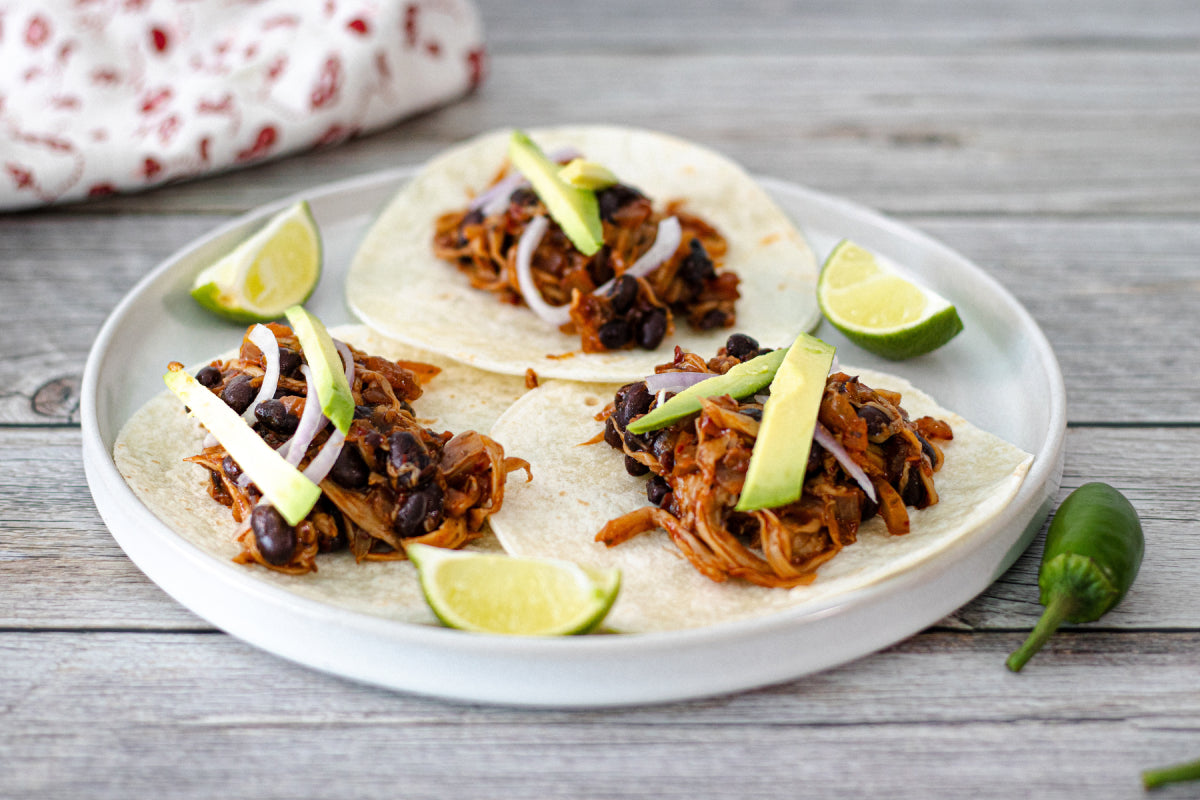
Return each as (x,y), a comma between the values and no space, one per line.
(876,418)
(614,333)
(472,217)
(753,412)
(741,347)
(274,416)
(231,468)
(696,267)
(623,293)
(652,329)
(350,470)
(713,319)
(635,403)
(363,412)
(611,435)
(635,467)
(276,539)
(657,490)
(238,393)
(289,362)
(613,198)
(664,450)
(410,515)
(914,493)
(600,267)
(434,501)
(209,376)
(634,442)
(523,197)
(409,458)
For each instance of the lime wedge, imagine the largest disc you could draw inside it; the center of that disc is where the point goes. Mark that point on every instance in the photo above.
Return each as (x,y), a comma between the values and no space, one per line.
(880,311)
(277,267)
(492,593)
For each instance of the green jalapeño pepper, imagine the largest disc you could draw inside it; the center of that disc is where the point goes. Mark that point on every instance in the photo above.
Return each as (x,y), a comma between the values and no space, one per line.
(1093,550)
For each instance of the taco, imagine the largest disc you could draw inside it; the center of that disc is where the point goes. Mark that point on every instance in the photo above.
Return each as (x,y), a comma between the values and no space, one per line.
(661,508)
(438,269)
(338,553)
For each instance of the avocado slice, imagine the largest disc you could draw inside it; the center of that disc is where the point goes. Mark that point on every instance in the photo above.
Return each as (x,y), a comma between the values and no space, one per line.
(585,174)
(575,210)
(741,381)
(284,486)
(780,458)
(329,373)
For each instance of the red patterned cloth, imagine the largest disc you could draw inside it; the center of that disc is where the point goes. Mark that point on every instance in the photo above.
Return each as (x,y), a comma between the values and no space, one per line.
(105,96)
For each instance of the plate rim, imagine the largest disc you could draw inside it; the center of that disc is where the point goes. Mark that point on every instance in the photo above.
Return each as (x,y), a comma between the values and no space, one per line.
(115,501)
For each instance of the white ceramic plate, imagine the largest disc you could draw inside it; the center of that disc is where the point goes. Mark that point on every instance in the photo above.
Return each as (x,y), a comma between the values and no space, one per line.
(999,373)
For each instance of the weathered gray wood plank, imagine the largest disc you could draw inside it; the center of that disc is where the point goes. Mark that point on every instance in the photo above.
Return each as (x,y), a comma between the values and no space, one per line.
(59,568)
(766,25)
(202,716)
(1042,130)
(1101,290)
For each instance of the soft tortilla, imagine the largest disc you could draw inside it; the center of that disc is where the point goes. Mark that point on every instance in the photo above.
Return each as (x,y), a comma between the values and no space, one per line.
(577,488)
(150,449)
(397,286)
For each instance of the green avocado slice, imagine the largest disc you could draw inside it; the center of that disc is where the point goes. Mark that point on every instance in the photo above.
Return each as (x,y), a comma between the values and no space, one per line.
(329,373)
(284,486)
(741,381)
(575,210)
(780,458)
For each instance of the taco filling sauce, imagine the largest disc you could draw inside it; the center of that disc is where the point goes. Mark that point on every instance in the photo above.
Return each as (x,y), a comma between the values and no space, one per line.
(698,466)
(394,481)
(689,285)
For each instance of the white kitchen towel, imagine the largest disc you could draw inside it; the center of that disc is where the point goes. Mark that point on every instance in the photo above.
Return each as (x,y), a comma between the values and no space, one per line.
(106,96)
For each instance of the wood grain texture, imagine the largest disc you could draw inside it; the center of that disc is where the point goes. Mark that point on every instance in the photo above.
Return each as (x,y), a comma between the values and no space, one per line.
(265,728)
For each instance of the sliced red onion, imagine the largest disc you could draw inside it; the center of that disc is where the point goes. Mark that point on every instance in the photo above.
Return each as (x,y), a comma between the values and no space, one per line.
(762,399)
(675,381)
(347,360)
(666,241)
(526,246)
(264,339)
(312,422)
(323,461)
(826,439)
(495,198)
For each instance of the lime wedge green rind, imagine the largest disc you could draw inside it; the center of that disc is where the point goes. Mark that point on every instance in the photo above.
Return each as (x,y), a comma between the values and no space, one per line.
(779,460)
(276,267)
(284,486)
(491,593)
(881,311)
(329,375)
(742,380)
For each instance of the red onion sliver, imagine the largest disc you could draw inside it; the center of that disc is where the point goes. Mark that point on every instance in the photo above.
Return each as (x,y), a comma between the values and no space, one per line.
(495,198)
(264,339)
(531,237)
(666,241)
(323,461)
(312,422)
(347,360)
(826,439)
(675,381)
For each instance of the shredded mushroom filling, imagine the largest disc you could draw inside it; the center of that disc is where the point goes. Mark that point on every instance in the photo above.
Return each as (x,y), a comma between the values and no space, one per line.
(654,266)
(868,459)
(387,482)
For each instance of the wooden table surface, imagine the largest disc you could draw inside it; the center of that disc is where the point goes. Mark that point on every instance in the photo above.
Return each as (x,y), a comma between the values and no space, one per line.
(1055,144)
